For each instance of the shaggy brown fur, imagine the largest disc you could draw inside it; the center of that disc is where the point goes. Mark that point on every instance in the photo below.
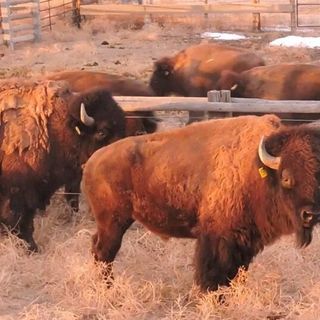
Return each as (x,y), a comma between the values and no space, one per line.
(44,143)
(196,70)
(80,81)
(275,82)
(202,182)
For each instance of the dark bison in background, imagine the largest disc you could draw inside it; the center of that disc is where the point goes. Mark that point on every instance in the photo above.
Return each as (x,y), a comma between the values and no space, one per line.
(244,192)
(47,134)
(196,70)
(275,82)
(136,122)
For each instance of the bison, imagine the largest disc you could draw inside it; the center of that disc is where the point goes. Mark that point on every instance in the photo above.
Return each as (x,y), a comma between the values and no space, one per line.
(136,122)
(47,134)
(275,82)
(196,70)
(117,85)
(234,185)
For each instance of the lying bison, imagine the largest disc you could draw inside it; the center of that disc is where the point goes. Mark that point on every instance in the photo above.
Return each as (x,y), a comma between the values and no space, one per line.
(275,82)
(47,133)
(219,182)
(136,122)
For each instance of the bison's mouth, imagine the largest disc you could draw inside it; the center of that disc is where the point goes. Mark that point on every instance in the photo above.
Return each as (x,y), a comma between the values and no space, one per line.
(309,218)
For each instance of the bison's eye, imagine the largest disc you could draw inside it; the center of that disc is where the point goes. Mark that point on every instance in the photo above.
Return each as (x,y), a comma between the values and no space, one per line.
(102,133)
(287,179)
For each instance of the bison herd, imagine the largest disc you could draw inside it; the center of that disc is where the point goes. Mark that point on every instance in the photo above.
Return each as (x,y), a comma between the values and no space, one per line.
(233,185)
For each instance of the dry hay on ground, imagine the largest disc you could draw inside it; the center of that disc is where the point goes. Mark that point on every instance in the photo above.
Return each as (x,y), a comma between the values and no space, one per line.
(153,278)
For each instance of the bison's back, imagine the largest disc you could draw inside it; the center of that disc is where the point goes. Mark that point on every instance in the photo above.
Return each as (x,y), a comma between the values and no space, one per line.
(283,82)
(117,85)
(208,58)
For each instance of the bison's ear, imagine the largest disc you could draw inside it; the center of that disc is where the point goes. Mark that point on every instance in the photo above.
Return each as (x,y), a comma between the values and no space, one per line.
(275,143)
(287,179)
(164,67)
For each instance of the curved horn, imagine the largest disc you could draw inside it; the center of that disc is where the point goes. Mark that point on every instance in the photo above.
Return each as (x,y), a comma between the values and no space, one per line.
(85,119)
(267,159)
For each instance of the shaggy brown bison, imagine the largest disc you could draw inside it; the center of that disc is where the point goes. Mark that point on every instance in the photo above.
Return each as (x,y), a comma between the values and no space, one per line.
(196,70)
(136,122)
(47,133)
(219,182)
(80,81)
(275,82)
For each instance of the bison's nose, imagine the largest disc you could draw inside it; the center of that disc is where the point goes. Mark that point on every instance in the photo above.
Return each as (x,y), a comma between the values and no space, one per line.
(310,218)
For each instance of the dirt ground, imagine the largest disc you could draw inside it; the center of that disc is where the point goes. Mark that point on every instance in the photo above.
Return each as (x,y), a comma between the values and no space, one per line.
(154,278)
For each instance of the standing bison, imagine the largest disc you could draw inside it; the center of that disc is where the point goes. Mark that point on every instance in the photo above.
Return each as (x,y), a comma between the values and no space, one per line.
(275,82)
(219,182)
(47,134)
(196,70)
(136,122)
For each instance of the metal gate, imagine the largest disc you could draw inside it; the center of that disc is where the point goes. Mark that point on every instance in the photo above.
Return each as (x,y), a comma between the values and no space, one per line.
(308,13)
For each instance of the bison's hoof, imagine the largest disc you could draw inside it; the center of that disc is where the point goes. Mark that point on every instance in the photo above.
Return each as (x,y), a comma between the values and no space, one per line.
(32,247)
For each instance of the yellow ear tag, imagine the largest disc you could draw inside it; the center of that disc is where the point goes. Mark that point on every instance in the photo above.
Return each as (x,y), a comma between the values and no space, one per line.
(263,172)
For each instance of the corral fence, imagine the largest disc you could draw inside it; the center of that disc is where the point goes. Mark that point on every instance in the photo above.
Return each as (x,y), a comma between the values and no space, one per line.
(187,8)
(23,20)
(219,104)
(303,6)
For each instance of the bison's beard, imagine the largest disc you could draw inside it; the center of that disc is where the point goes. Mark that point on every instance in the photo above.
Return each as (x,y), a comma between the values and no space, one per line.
(304,236)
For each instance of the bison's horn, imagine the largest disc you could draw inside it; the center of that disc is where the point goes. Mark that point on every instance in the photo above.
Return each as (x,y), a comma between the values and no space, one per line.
(267,159)
(85,119)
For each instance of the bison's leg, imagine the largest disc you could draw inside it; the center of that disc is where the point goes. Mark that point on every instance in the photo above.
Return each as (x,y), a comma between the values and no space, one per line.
(24,227)
(26,230)
(107,241)
(72,190)
(217,261)
(23,204)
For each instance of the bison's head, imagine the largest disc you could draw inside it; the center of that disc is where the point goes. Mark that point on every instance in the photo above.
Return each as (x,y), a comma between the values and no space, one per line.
(97,118)
(294,157)
(230,80)
(162,80)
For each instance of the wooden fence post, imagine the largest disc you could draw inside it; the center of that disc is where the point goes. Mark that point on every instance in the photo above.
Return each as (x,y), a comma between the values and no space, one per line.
(293,15)
(213,96)
(256,19)
(13,32)
(6,19)
(76,17)
(218,96)
(36,20)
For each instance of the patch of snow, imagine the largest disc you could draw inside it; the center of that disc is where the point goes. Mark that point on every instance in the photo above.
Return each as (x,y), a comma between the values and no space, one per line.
(222,36)
(297,41)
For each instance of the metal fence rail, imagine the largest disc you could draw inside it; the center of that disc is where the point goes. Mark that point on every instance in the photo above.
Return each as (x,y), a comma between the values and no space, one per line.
(51,10)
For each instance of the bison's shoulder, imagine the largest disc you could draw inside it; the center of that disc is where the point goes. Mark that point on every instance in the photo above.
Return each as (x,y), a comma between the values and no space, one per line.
(25,108)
